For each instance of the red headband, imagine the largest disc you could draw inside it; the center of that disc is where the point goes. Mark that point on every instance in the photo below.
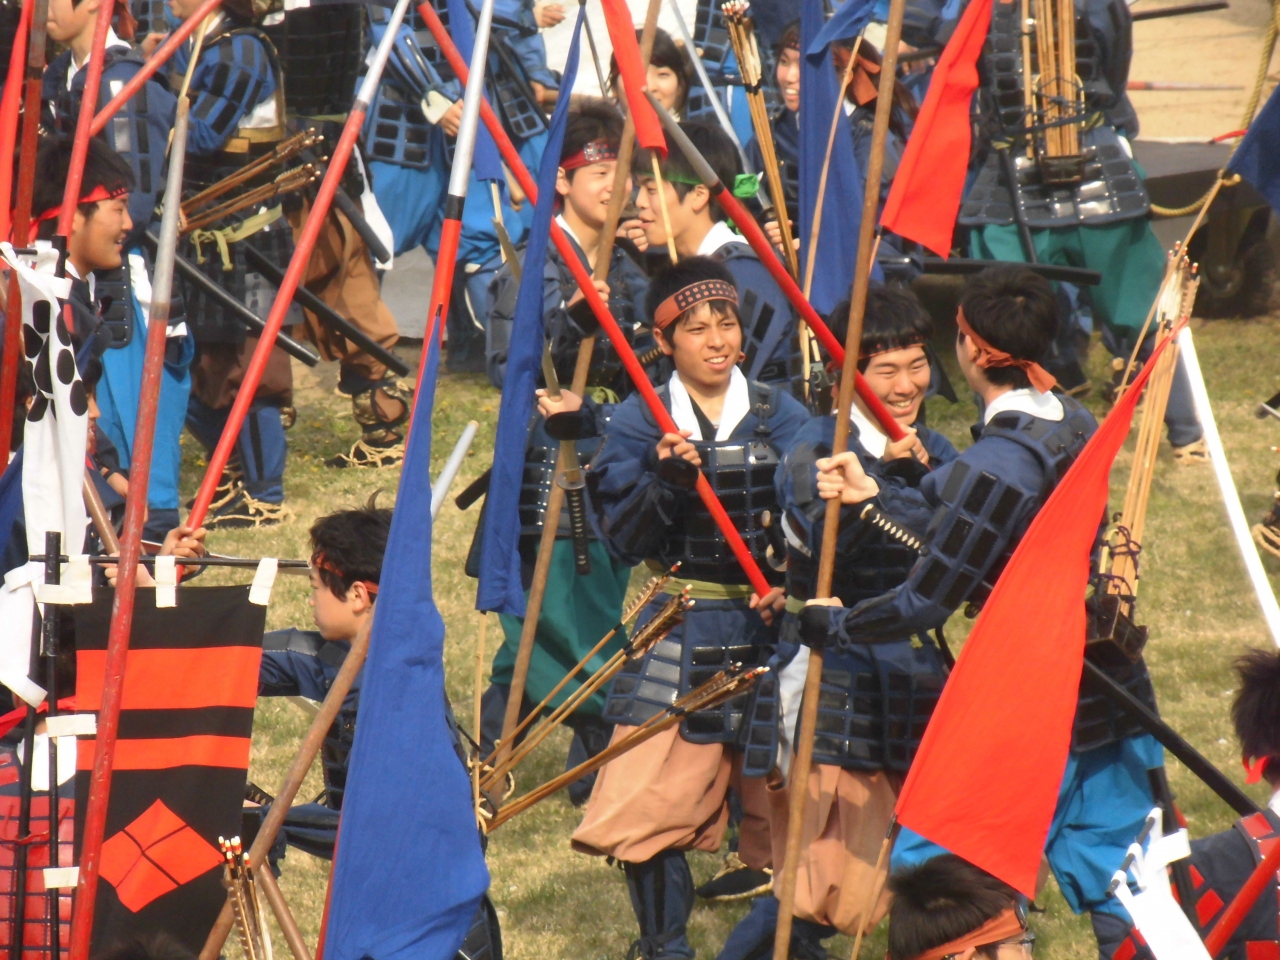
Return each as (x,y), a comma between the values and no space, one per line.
(989,356)
(686,298)
(324,563)
(95,195)
(597,151)
(1000,927)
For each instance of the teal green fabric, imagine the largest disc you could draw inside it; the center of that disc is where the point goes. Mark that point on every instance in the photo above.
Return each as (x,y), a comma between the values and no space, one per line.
(1127,254)
(576,612)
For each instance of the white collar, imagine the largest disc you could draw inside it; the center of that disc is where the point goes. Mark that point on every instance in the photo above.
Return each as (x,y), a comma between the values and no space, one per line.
(564,225)
(112,41)
(1025,400)
(1274,803)
(737,404)
(870,435)
(717,237)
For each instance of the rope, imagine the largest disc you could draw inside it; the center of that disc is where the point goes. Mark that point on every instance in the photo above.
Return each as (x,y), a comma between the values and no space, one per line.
(1268,48)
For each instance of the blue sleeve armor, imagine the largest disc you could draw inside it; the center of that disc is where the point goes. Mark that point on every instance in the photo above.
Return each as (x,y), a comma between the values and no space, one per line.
(232,78)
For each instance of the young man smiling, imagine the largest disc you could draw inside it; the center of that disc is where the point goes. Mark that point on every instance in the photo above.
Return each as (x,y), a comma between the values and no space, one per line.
(698,228)
(577,609)
(670,794)
(863,689)
(970,515)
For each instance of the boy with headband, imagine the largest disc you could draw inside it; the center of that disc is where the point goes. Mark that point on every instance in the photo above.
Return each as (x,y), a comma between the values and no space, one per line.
(970,515)
(669,794)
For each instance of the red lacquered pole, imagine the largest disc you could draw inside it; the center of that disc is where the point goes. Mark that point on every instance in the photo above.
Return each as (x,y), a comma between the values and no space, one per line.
(13,92)
(135,515)
(297,266)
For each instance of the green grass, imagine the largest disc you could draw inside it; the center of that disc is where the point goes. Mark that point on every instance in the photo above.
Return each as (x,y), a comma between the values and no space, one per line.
(556,903)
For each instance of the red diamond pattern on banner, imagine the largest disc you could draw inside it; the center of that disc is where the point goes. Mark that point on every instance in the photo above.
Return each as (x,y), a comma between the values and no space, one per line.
(156,853)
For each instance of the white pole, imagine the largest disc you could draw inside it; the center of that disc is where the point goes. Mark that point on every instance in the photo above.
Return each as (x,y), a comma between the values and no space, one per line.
(1222,469)
(440,489)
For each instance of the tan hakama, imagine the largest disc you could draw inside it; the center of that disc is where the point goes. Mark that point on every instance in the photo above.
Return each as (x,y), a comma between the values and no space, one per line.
(669,794)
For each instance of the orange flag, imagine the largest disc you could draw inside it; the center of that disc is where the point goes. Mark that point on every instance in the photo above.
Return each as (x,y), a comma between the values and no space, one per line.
(985,781)
(925,197)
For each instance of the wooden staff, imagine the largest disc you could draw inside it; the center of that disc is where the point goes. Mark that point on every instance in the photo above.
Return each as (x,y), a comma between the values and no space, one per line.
(662,205)
(135,513)
(101,519)
(293,779)
(604,255)
(716,690)
(297,267)
(476,697)
(288,925)
(799,779)
(31,94)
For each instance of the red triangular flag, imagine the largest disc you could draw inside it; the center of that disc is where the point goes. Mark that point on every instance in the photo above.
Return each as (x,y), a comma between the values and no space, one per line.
(925,197)
(1006,712)
(626,50)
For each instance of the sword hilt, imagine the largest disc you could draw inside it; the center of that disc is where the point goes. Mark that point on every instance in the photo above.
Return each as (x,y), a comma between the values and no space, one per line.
(576,501)
(872,514)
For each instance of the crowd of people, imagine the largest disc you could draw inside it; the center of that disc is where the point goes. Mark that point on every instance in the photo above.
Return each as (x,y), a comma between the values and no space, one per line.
(755,413)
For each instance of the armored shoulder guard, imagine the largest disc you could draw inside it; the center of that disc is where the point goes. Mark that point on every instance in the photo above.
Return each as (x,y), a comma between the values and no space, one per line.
(307,642)
(1054,444)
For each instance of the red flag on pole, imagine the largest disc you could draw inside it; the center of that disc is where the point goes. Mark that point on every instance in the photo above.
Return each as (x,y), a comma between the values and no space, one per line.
(1006,712)
(925,197)
(10,107)
(626,50)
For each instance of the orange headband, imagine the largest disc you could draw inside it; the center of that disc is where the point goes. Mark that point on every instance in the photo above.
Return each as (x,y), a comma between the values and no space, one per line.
(1000,927)
(686,298)
(989,356)
(324,563)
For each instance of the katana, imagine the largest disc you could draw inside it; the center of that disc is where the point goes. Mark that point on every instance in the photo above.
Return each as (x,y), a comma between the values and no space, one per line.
(297,267)
(135,515)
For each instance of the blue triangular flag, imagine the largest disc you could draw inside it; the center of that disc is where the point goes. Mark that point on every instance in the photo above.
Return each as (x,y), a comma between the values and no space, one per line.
(500,587)
(409,870)
(842,202)
(1257,158)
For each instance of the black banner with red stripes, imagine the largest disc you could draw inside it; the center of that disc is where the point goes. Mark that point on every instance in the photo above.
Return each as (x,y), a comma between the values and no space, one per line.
(178,780)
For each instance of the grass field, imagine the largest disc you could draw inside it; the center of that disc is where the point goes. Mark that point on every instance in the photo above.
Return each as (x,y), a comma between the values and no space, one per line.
(555,903)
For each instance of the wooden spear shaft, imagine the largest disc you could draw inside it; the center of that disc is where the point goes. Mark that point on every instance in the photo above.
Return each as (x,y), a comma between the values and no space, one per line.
(826,566)
(555,502)
(302,761)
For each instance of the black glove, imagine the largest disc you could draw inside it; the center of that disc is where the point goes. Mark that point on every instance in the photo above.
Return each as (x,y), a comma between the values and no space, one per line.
(678,472)
(815,626)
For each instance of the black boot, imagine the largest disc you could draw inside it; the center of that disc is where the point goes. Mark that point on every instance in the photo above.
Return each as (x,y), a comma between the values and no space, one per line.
(662,897)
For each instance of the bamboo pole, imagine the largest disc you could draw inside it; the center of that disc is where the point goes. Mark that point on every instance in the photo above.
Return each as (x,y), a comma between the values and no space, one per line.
(799,777)
(288,925)
(555,502)
(294,778)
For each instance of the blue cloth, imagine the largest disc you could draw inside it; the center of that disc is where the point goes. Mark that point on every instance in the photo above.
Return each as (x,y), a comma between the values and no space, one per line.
(12,516)
(1257,159)
(500,582)
(1103,801)
(232,77)
(485,163)
(117,395)
(837,247)
(261,448)
(409,872)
